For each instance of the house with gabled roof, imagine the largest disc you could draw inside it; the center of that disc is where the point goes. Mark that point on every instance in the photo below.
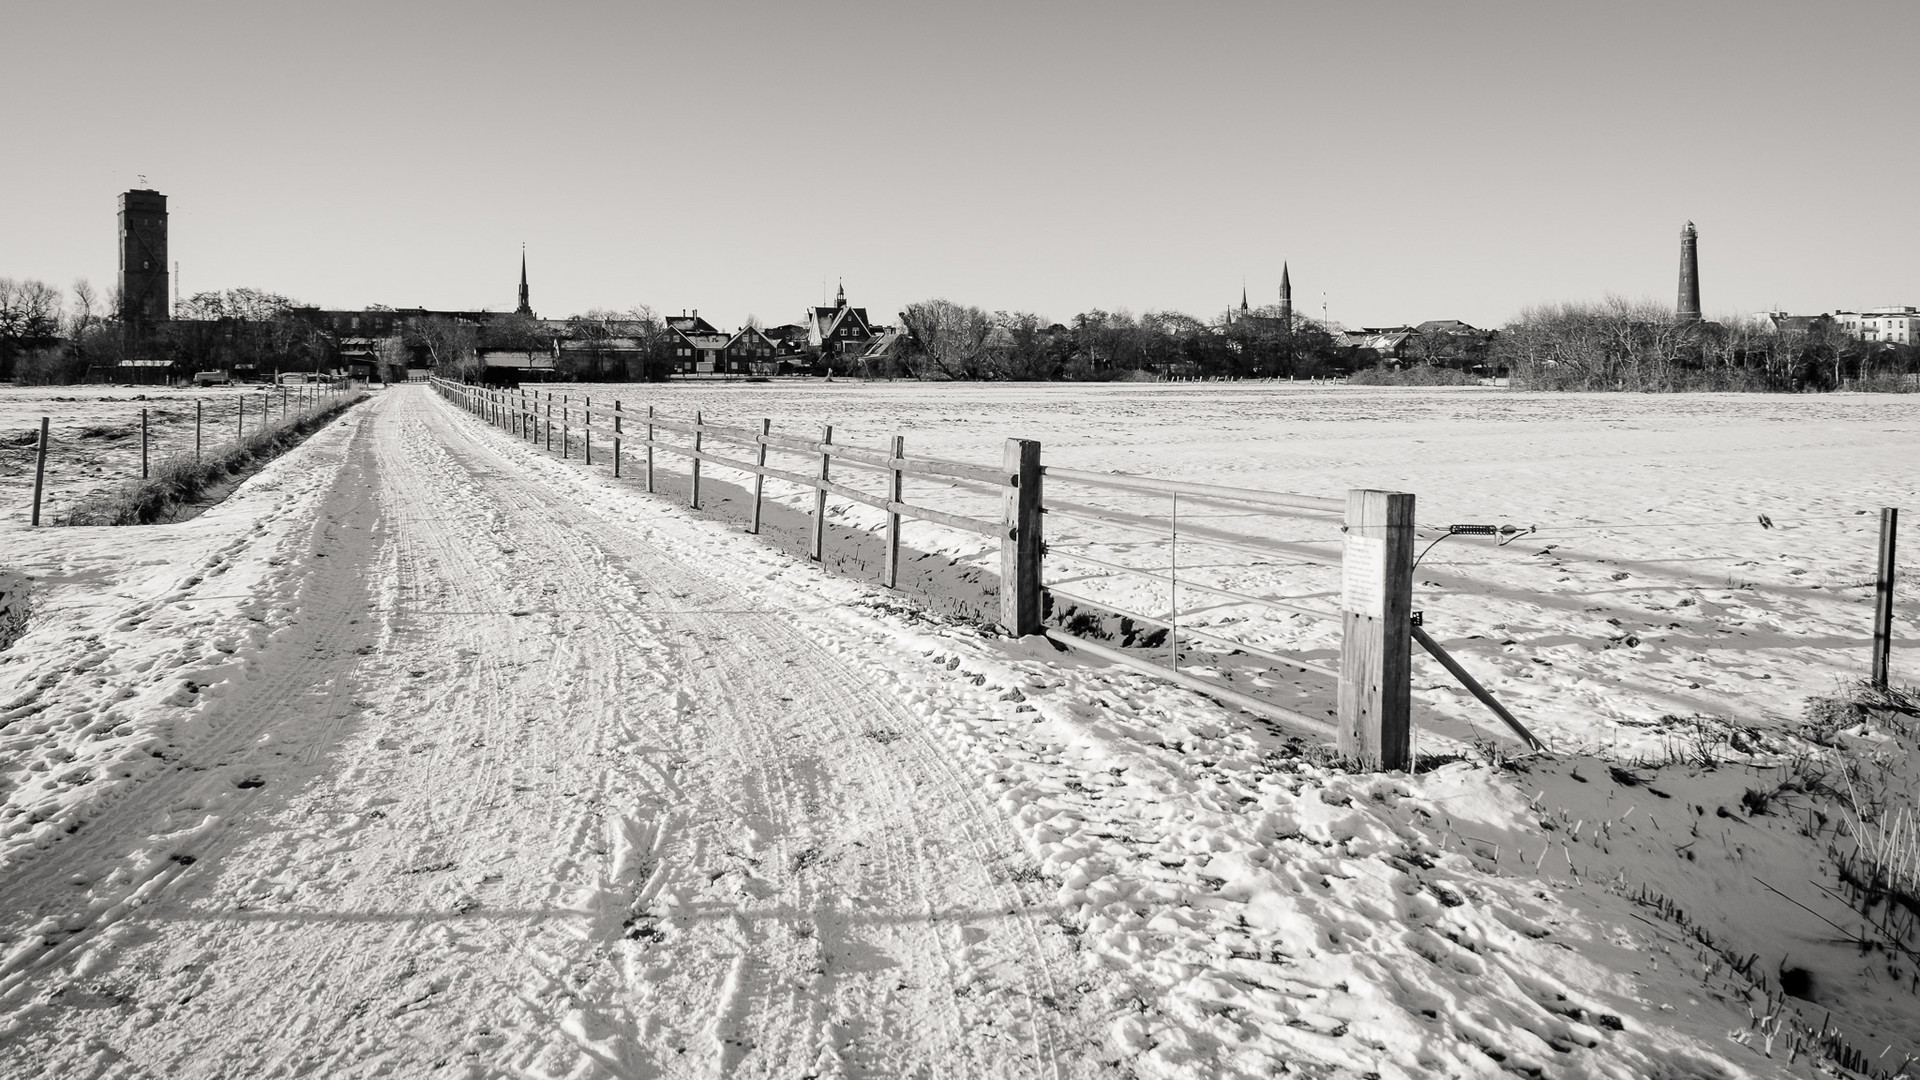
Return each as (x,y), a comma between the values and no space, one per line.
(697,352)
(839,331)
(751,352)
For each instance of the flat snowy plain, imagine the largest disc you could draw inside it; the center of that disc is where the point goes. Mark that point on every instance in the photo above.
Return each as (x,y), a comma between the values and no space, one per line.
(427,751)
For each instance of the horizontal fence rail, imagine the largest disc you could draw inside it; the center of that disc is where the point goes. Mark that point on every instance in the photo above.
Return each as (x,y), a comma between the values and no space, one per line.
(1359,546)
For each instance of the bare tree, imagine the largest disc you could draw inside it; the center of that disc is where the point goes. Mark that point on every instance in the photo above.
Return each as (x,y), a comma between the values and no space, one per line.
(29,320)
(951,338)
(448,343)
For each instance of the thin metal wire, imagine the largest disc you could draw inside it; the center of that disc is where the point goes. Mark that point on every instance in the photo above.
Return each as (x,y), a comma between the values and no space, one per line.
(1227,593)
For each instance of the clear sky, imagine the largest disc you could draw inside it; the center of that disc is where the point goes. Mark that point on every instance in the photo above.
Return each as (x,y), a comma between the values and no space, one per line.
(1411,160)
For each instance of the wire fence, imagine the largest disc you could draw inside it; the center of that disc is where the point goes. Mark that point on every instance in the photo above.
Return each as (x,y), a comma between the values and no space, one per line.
(1238,592)
(94,448)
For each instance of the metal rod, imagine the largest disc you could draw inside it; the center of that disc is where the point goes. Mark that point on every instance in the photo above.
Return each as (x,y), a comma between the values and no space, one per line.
(1473,687)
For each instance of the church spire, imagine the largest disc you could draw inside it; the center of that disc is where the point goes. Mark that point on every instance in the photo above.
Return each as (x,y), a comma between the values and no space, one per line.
(1286,297)
(840,298)
(1243,298)
(524,308)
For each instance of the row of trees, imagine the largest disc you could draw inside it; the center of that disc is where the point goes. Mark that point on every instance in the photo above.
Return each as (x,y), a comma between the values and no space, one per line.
(948,340)
(1637,345)
(51,336)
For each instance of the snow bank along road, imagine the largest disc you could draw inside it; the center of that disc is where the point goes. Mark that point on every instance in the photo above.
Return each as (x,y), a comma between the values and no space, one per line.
(427,753)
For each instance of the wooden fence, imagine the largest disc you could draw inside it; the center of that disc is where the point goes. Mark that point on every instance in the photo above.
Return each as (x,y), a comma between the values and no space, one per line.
(1372,533)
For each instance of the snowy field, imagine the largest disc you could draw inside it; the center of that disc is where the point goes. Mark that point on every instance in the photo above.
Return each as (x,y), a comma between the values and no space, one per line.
(428,751)
(1650,590)
(94,435)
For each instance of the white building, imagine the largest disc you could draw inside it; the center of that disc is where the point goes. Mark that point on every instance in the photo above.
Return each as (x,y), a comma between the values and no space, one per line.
(1892,325)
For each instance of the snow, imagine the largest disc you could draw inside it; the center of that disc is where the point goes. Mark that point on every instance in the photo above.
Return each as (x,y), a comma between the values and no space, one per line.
(94,435)
(428,749)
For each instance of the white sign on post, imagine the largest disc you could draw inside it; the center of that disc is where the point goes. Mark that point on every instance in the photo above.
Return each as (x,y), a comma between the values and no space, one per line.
(1363,575)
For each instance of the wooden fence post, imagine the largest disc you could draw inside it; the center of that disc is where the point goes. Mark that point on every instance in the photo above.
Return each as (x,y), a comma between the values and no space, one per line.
(586,430)
(1376,645)
(759,477)
(895,490)
(549,421)
(143,444)
(197,410)
(39,470)
(616,438)
(693,497)
(240,422)
(1020,539)
(649,449)
(1883,596)
(818,547)
(566,429)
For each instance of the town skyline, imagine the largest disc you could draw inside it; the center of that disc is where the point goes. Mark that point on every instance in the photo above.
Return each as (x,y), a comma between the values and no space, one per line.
(1426,165)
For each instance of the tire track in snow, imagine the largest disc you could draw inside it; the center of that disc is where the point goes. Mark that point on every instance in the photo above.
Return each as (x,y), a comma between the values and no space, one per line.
(545,852)
(841,711)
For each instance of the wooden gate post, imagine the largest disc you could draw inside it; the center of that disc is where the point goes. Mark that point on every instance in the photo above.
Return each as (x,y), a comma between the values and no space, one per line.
(895,490)
(39,470)
(693,489)
(1020,542)
(819,545)
(1883,596)
(759,473)
(1376,617)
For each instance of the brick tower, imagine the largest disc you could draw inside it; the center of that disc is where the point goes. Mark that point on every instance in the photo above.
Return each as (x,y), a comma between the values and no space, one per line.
(1687,310)
(143,262)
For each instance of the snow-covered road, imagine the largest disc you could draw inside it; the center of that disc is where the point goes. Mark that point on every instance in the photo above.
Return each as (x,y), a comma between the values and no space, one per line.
(427,752)
(549,795)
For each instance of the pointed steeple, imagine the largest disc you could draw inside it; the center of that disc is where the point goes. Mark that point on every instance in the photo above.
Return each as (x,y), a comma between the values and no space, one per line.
(1243,299)
(1286,296)
(840,298)
(524,308)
